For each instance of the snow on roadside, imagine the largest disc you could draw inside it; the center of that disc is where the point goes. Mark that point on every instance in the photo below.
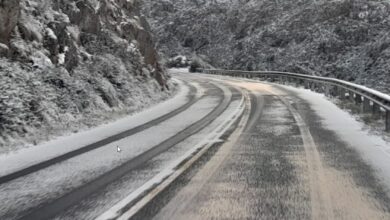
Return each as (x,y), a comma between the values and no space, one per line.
(28,156)
(47,184)
(373,148)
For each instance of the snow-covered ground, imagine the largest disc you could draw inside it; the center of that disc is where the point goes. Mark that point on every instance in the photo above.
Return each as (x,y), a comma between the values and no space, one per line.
(62,177)
(28,156)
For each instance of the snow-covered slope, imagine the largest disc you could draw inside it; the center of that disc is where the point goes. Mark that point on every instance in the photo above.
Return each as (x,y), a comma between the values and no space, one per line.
(347,39)
(67,65)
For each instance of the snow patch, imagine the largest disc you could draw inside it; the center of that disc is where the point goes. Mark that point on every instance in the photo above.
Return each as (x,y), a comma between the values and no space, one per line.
(50,34)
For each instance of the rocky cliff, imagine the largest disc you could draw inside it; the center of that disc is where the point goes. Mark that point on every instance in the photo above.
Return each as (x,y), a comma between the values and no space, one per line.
(347,39)
(70,64)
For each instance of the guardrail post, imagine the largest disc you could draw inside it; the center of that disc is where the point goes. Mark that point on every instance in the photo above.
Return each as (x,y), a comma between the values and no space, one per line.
(300,82)
(324,89)
(376,110)
(366,105)
(313,86)
(332,91)
(307,84)
(296,82)
(335,91)
(358,98)
(351,98)
(388,120)
(316,87)
(342,93)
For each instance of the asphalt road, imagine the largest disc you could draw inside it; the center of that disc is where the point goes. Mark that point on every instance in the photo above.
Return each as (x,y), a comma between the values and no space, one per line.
(22,196)
(285,165)
(278,161)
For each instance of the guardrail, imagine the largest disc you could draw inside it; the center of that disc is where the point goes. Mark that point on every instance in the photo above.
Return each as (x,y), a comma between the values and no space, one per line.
(371,101)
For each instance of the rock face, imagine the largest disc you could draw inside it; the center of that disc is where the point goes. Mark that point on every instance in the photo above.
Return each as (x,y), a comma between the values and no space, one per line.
(347,39)
(70,64)
(9,15)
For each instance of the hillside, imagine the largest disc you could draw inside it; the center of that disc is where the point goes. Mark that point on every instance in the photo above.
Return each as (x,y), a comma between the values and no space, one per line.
(67,65)
(347,39)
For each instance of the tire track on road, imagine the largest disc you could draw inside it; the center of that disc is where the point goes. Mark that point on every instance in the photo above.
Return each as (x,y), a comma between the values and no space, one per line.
(321,202)
(42,165)
(51,208)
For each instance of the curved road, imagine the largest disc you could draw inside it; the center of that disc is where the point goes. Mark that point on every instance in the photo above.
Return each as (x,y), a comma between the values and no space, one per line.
(52,187)
(286,164)
(284,157)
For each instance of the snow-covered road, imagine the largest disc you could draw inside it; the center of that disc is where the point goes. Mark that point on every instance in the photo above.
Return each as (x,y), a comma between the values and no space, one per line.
(24,158)
(61,183)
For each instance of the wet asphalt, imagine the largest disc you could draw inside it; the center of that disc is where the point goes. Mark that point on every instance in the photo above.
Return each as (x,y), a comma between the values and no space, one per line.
(269,172)
(284,164)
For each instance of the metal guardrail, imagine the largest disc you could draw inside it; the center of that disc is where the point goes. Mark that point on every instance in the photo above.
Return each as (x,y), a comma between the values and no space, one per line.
(371,101)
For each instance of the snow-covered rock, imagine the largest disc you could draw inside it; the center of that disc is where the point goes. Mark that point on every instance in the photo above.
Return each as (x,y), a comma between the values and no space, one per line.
(67,65)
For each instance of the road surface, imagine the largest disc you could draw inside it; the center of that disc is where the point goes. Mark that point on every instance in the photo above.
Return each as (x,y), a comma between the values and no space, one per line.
(273,152)
(285,165)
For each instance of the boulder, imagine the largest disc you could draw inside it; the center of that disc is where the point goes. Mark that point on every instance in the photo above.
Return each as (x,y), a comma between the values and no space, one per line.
(9,15)
(89,20)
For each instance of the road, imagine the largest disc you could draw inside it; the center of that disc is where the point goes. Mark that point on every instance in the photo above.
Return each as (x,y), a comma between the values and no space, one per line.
(240,149)
(285,165)
(74,184)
